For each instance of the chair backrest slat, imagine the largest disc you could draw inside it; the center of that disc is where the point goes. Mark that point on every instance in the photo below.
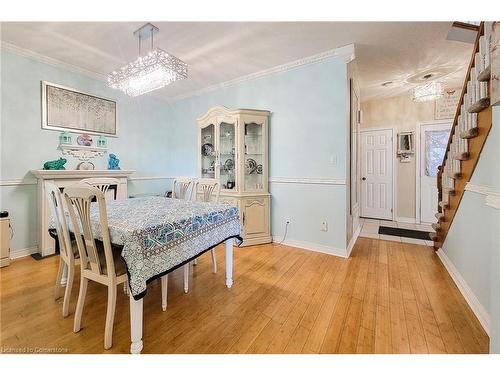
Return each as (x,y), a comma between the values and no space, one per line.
(57,210)
(205,189)
(183,188)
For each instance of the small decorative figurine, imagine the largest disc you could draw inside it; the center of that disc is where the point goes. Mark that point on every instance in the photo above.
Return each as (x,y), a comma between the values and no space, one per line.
(65,138)
(102,142)
(113,162)
(84,140)
(54,164)
(85,166)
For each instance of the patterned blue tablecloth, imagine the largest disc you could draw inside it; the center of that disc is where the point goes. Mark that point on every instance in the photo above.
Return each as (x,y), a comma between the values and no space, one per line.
(159,234)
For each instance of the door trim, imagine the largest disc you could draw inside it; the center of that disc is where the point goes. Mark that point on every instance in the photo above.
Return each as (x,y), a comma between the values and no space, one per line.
(394,147)
(417,161)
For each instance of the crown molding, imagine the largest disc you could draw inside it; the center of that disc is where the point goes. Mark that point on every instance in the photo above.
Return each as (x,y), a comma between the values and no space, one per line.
(50,61)
(344,53)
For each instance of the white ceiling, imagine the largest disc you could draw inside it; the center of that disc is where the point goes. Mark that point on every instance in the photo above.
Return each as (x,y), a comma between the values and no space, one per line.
(217,52)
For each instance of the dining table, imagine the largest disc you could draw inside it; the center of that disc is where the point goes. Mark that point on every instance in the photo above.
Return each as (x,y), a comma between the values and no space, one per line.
(158,235)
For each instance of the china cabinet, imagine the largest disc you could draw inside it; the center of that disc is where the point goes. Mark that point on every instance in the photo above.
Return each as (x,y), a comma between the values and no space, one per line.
(233,148)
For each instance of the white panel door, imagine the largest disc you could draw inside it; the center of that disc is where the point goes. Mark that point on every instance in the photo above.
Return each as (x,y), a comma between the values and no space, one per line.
(376,174)
(433,142)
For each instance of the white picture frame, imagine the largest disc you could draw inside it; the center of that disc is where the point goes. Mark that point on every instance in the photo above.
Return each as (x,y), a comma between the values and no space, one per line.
(71,110)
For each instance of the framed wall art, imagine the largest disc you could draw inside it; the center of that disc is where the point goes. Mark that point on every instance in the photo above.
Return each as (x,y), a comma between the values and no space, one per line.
(446,106)
(67,109)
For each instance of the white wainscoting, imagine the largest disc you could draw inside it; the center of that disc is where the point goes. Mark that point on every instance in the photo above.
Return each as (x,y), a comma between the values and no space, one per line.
(481,313)
(492,197)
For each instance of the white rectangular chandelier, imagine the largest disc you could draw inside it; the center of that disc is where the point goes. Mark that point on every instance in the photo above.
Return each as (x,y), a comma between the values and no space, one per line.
(153,71)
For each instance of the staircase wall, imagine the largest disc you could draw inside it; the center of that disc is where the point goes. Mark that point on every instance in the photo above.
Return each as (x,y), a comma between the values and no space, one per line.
(472,247)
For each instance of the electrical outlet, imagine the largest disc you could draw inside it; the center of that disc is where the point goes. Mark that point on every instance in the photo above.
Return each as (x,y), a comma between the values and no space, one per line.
(324,226)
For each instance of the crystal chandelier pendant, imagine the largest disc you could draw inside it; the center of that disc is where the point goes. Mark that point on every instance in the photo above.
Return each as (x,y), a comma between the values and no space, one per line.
(151,72)
(427,92)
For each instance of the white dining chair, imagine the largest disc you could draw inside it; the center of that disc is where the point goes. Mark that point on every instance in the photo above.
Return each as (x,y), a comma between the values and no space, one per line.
(99,261)
(103,184)
(182,188)
(204,190)
(68,250)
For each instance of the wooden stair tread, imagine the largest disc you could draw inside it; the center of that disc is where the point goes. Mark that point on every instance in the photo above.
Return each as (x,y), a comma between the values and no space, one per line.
(449,191)
(462,156)
(455,175)
(471,133)
(476,138)
(479,105)
(433,236)
(485,75)
(443,205)
(440,216)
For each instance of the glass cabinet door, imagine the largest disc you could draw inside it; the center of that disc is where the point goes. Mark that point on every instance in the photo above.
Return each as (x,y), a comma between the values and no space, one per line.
(227,156)
(208,154)
(254,156)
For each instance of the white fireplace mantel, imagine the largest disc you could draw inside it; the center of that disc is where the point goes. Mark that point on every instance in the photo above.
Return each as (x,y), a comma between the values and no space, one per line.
(77,174)
(63,178)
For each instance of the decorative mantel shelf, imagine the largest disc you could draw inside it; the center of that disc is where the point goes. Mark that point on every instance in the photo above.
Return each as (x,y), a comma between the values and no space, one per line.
(63,178)
(82,153)
(78,174)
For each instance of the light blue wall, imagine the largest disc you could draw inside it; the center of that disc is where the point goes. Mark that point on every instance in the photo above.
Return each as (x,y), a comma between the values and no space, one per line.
(141,144)
(473,243)
(307,127)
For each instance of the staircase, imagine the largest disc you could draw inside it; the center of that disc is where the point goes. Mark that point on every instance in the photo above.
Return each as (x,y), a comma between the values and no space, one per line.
(468,135)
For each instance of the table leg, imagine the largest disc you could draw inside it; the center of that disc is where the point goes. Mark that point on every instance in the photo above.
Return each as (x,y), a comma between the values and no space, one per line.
(135,325)
(229,263)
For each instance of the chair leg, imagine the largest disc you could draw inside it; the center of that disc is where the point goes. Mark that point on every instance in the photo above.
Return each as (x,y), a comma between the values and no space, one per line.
(57,287)
(67,292)
(125,287)
(164,289)
(110,317)
(79,305)
(186,277)
(214,261)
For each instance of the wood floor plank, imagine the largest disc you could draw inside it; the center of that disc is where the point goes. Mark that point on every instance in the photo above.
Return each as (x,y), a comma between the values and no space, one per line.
(387,298)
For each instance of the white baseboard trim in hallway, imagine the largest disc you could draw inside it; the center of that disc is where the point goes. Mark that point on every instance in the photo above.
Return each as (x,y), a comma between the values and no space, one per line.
(409,220)
(353,241)
(481,314)
(311,246)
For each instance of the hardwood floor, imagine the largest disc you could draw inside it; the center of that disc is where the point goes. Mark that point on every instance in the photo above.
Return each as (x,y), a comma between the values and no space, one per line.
(388,297)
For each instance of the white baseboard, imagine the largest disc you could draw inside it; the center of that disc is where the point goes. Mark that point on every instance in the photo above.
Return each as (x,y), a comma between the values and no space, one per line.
(21,253)
(312,246)
(353,241)
(409,220)
(481,314)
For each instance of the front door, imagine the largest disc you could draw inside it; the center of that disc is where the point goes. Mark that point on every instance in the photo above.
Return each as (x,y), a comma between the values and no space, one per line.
(376,174)
(433,142)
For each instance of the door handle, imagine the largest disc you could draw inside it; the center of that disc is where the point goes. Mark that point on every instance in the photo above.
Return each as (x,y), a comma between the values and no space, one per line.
(363,178)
